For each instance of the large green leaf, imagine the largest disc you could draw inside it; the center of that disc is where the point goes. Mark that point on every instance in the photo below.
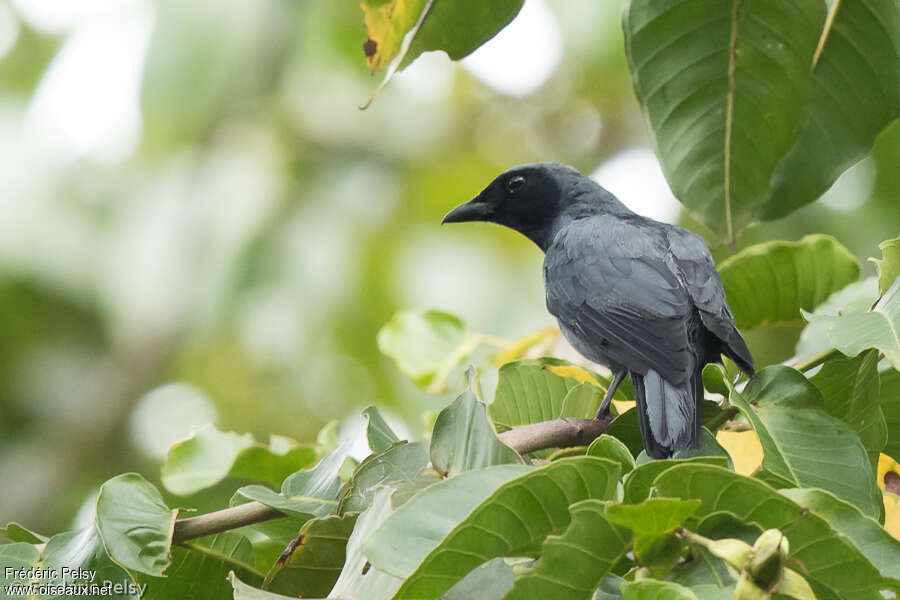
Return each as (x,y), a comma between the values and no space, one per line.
(513,521)
(804,446)
(135,524)
(311,564)
(722,84)
(400,465)
(212,455)
(606,446)
(464,439)
(851,333)
(242,591)
(426,345)
(890,404)
(850,389)
(574,563)
(805,273)
(414,529)
(639,482)
(199,568)
(854,94)
(835,568)
(889,263)
(311,492)
(867,535)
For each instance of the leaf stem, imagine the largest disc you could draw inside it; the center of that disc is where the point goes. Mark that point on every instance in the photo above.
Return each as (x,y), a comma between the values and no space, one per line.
(817,360)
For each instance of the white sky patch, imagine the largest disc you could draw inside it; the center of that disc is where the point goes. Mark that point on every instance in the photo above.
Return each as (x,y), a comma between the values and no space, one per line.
(9,30)
(636,178)
(59,16)
(523,56)
(88,101)
(169,414)
(429,78)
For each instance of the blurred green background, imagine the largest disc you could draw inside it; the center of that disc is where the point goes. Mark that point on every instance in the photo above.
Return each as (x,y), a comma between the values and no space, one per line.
(198,224)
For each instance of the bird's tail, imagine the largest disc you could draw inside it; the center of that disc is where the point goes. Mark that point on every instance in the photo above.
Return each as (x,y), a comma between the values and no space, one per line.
(670,416)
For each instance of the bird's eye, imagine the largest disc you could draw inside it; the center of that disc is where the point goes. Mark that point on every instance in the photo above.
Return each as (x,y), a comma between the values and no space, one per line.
(515,184)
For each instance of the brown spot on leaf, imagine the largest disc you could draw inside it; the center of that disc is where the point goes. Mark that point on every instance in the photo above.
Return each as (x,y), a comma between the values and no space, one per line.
(370,47)
(290,549)
(892,482)
(366,567)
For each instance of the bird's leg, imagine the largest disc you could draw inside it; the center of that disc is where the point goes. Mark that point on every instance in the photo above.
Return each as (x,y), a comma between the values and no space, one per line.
(618,376)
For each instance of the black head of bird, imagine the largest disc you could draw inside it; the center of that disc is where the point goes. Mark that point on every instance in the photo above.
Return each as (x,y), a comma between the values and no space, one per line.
(535,199)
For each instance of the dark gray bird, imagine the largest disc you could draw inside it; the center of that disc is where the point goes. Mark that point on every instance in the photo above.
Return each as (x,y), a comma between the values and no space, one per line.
(639,296)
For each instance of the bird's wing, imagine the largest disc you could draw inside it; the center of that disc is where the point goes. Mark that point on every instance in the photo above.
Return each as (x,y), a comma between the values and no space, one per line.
(608,283)
(704,285)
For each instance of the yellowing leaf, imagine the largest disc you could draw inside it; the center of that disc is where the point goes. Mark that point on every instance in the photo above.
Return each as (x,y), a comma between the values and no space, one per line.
(579,374)
(521,346)
(744,448)
(387,23)
(892,514)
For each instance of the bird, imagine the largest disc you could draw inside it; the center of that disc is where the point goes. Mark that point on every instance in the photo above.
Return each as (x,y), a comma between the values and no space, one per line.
(639,296)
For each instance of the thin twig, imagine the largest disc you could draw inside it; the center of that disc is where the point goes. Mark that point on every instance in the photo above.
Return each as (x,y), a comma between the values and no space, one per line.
(558,433)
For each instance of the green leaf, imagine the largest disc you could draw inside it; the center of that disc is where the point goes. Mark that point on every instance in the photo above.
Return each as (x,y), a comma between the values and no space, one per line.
(212,455)
(867,535)
(813,543)
(877,328)
(653,516)
(575,562)
(889,263)
(359,580)
(805,273)
(803,446)
(17,556)
(710,447)
(310,566)
(199,569)
(890,404)
(426,345)
(311,492)
(582,401)
(722,85)
(457,28)
(401,464)
(378,433)
(609,447)
(414,529)
(639,482)
(625,428)
(16,533)
(854,94)
(850,389)
(856,297)
(534,390)
(652,589)
(270,538)
(135,524)
(517,517)
(83,551)
(464,439)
